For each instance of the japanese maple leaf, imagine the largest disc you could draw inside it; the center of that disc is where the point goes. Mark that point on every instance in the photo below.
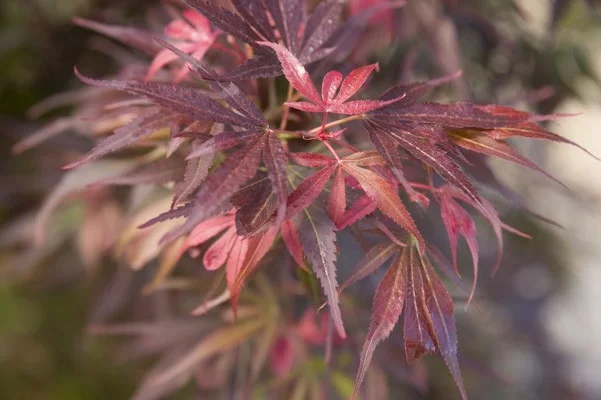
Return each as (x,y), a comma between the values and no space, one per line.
(192,35)
(335,91)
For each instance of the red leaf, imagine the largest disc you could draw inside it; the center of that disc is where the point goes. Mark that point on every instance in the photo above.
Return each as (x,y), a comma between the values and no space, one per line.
(235,262)
(362,207)
(311,160)
(337,198)
(308,190)
(330,84)
(387,308)
(292,242)
(353,82)
(385,197)
(258,246)
(458,221)
(295,72)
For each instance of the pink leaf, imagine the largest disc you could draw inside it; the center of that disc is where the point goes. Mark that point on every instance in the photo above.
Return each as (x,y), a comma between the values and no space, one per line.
(216,255)
(292,242)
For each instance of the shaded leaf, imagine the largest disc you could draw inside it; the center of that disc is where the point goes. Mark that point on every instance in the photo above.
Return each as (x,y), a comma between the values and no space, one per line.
(137,129)
(274,157)
(371,261)
(317,236)
(221,184)
(157,173)
(292,242)
(388,306)
(458,221)
(308,190)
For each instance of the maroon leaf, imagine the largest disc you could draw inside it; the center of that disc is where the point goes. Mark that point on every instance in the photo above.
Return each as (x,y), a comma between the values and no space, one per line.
(274,157)
(457,115)
(387,308)
(317,236)
(227,91)
(389,150)
(321,24)
(255,12)
(225,20)
(417,327)
(287,15)
(415,91)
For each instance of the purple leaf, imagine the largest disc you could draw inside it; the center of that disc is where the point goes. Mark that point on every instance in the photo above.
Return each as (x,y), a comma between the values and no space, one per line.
(197,170)
(180,99)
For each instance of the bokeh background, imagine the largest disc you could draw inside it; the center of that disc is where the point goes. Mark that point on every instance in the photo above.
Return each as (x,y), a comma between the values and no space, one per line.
(538,336)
